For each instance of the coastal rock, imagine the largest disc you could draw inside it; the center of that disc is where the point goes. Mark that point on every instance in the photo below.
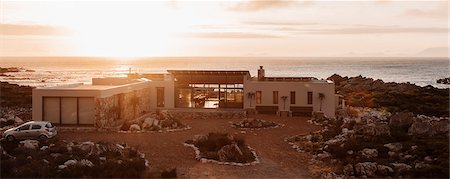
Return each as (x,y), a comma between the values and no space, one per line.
(372,129)
(17,120)
(85,162)
(366,168)
(401,167)
(401,119)
(70,162)
(349,170)
(369,153)
(148,122)
(421,165)
(395,147)
(384,170)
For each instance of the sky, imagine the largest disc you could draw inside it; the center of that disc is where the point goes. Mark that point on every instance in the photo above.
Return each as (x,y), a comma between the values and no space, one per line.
(369,28)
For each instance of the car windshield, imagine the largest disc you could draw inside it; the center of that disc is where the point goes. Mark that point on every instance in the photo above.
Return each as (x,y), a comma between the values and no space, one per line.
(49,125)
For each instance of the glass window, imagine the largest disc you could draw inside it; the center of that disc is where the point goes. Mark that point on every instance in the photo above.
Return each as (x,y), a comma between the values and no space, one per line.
(310,95)
(36,126)
(258,97)
(292,97)
(25,127)
(275,97)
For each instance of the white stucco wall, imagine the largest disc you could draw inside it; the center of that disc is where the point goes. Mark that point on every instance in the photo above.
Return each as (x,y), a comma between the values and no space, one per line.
(285,87)
(169,92)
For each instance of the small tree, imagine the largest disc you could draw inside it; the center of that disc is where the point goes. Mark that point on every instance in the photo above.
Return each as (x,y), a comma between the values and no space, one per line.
(321,97)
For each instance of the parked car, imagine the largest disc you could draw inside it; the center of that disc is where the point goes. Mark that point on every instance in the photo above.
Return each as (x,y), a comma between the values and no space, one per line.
(41,130)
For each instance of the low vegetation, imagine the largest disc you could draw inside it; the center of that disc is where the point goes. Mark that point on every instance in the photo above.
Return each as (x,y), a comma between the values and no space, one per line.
(222,147)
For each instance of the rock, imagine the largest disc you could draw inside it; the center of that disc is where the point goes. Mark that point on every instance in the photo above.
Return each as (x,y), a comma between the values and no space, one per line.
(421,165)
(414,147)
(419,127)
(102,158)
(70,162)
(155,122)
(384,170)
(439,127)
(372,129)
(17,120)
(401,167)
(30,144)
(369,153)
(324,155)
(45,161)
(55,155)
(135,128)
(349,170)
(401,119)
(391,154)
(200,138)
(406,157)
(395,147)
(44,147)
(85,162)
(62,167)
(148,122)
(229,153)
(29,158)
(427,159)
(350,152)
(366,168)
(86,146)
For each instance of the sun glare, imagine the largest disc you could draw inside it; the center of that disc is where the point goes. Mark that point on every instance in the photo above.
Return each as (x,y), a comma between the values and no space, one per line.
(122,31)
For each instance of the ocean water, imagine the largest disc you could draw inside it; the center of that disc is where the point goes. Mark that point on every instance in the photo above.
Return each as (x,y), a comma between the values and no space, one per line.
(51,71)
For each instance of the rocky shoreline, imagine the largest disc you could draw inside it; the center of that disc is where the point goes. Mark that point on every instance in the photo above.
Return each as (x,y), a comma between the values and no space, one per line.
(395,97)
(364,142)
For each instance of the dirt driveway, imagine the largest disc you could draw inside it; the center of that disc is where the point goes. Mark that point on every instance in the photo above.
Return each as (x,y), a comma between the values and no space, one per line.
(166,150)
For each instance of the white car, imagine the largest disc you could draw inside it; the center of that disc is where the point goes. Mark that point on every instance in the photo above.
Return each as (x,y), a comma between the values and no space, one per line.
(41,130)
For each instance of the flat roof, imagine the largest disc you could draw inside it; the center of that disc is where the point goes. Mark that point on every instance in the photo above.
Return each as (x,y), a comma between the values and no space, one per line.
(209,72)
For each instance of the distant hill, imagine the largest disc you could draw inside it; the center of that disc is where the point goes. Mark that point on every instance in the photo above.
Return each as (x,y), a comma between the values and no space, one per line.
(434,52)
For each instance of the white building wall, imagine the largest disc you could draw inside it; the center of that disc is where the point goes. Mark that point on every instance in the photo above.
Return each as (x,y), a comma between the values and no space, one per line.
(285,87)
(169,92)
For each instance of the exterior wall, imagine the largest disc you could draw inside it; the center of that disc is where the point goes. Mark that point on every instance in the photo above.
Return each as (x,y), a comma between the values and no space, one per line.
(169,93)
(285,87)
(111,112)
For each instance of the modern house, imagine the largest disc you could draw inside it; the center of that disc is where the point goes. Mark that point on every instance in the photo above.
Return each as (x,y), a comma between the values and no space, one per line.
(110,101)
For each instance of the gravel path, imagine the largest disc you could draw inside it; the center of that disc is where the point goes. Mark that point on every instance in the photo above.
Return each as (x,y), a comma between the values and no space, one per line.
(166,150)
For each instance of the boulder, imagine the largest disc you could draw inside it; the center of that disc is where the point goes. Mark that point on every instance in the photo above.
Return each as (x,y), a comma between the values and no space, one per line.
(401,119)
(148,122)
(369,153)
(200,138)
(17,120)
(373,129)
(349,170)
(384,170)
(86,146)
(85,162)
(395,147)
(366,168)
(419,127)
(324,155)
(30,144)
(401,167)
(229,153)
(421,165)
(439,127)
(70,162)
(135,128)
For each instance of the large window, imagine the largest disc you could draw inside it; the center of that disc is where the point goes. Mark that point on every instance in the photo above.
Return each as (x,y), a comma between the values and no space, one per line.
(310,97)
(160,97)
(258,97)
(69,110)
(275,97)
(292,97)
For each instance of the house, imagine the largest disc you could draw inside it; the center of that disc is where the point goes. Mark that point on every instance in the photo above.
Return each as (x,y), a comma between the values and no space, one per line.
(111,101)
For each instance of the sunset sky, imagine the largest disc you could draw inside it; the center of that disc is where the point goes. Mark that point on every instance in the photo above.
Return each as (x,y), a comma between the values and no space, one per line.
(381,28)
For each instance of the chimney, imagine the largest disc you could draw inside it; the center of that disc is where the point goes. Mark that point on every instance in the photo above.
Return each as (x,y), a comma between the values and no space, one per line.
(261,74)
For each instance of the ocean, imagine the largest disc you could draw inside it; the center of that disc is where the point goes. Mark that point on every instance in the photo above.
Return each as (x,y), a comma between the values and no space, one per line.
(51,71)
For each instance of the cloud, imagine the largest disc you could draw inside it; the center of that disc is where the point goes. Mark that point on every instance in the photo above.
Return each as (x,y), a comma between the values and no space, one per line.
(434,52)
(31,30)
(378,30)
(270,23)
(440,12)
(228,35)
(258,5)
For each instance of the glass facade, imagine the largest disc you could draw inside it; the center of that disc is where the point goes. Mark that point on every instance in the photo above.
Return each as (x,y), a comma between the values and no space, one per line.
(209,95)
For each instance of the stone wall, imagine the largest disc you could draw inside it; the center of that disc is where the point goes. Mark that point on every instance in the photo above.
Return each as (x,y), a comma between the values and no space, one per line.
(111,112)
(182,115)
